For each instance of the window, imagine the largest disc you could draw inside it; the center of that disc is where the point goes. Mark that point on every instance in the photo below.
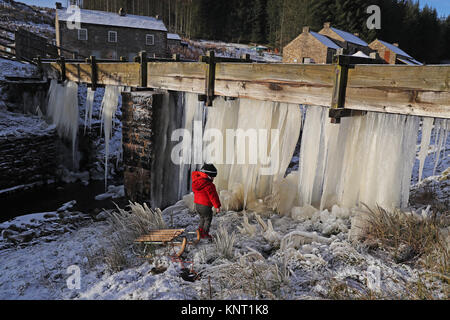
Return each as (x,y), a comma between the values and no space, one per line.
(82,34)
(112,36)
(149,39)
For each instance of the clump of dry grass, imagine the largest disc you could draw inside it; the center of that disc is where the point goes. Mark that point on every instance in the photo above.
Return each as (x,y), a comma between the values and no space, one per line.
(115,257)
(137,221)
(414,239)
(408,235)
(428,196)
(224,242)
(126,226)
(250,275)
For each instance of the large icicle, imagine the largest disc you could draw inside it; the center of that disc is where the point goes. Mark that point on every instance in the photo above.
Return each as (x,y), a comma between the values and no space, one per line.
(246,177)
(63,110)
(193,113)
(108,110)
(310,154)
(441,130)
(427,127)
(88,108)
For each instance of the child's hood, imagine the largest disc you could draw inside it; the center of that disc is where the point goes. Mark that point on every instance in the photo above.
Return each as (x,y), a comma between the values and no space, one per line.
(200,180)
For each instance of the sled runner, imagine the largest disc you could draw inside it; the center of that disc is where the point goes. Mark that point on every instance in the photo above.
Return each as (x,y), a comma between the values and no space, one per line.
(171,239)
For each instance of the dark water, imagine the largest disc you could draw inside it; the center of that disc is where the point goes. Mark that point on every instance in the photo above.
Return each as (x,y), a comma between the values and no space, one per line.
(51,197)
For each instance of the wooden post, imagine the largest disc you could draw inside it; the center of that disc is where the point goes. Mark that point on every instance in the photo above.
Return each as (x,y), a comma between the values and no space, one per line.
(62,63)
(143,69)
(342,65)
(340,86)
(210,77)
(94,74)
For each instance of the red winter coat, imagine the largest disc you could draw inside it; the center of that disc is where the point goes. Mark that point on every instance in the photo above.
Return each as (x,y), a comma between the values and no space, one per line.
(205,192)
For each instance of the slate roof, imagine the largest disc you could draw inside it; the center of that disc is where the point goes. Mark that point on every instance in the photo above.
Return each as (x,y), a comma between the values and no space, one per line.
(347,36)
(113,19)
(325,40)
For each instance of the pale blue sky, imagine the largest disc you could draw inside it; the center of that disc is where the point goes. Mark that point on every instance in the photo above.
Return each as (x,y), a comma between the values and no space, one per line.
(442,6)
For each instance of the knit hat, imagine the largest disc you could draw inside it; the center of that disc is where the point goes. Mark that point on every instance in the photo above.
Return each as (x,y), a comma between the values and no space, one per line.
(209,169)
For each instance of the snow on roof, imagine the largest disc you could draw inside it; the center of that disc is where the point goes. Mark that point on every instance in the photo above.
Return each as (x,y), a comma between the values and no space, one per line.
(113,19)
(325,40)
(173,36)
(360,54)
(395,49)
(349,37)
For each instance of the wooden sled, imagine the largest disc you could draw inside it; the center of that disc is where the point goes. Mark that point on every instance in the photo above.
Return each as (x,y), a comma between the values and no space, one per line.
(172,239)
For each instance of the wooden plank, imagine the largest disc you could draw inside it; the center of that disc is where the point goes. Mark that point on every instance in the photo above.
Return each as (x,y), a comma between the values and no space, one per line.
(123,74)
(424,78)
(302,84)
(413,90)
(177,76)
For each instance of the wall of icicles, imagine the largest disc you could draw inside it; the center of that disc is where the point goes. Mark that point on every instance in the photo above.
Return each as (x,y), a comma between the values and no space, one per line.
(364,160)
(63,112)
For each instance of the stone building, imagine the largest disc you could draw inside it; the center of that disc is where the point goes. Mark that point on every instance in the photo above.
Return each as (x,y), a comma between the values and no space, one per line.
(109,35)
(392,54)
(351,43)
(310,47)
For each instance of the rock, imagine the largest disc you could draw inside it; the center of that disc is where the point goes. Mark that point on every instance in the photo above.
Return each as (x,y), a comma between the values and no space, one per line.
(66,206)
(26,236)
(7,233)
(102,216)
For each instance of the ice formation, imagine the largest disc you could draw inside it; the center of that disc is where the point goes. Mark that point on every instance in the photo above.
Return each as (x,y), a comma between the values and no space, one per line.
(89,106)
(364,160)
(442,126)
(191,155)
(247,176)
(108,110)
(63,109)
(427,126)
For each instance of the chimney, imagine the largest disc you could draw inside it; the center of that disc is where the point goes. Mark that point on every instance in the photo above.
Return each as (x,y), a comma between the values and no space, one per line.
(327,25)
(122,12)
(395,44)
(58,5)
(306,29)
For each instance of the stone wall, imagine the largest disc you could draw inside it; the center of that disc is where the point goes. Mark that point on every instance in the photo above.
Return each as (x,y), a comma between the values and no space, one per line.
(28,149)
(129,41)
(149,118)
(137,143)
(25,97)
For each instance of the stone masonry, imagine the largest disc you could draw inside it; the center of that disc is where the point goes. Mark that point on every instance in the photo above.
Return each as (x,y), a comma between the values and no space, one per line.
(137,143)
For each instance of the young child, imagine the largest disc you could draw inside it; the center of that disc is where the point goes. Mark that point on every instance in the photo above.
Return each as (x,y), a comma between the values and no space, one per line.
(205,197)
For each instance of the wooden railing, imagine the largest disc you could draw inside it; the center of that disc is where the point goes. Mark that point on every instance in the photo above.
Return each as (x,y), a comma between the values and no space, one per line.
(412,90)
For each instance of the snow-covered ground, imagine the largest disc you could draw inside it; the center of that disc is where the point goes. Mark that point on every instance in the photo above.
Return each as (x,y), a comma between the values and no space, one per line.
(198,48)
(15,68)
(301,256)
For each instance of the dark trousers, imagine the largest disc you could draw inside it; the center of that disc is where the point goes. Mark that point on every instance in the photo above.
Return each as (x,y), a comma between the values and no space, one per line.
(206,215)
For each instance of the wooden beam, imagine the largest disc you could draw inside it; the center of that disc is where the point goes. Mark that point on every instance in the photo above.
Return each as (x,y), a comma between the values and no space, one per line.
(302,84)
(415,90)
(177,76)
